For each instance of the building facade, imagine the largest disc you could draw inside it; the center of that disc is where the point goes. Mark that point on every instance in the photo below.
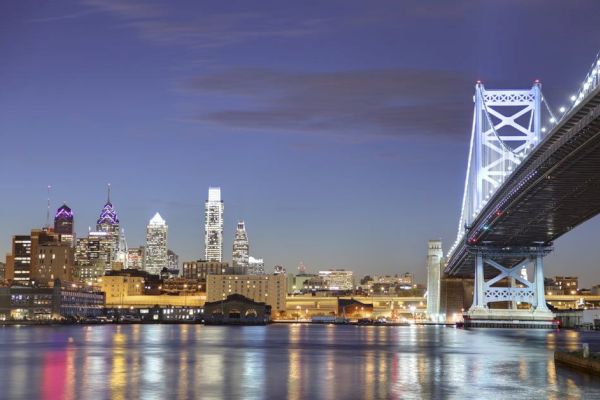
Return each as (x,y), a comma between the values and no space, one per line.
(256,266)
(135,258)
(241,248)
(118,287)
(338,279)
(270,289)
(200,269)
(55,260)
(64,299)
(213,226)
(93,256)
(156,245)
(435,259)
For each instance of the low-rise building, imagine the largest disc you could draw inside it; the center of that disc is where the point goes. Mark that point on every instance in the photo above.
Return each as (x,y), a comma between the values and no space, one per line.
(64,299)
(237,309)
(270,289)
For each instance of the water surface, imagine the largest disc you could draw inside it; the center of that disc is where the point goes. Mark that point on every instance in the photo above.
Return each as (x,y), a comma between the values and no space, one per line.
(288,361)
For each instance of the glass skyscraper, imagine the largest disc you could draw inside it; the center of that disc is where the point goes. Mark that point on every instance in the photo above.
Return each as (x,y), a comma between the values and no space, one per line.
(241,247)
(213,226)
(156,245)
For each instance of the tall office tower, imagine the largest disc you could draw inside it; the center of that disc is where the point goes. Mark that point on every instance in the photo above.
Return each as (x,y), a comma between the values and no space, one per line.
(109,223)
(92,255)
(241,248)
(213,226)
(63,224)
(435,259)
(156,245)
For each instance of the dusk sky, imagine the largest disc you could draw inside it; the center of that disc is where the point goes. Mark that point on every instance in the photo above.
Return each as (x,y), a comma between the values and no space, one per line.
(338,130)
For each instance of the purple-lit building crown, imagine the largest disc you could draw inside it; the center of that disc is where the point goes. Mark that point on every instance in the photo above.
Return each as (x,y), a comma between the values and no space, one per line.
(63,220)
(64,213)
(108,215)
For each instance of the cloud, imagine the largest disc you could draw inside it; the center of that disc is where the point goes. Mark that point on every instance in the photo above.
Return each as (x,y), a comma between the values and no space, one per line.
(199,29)
(369,103)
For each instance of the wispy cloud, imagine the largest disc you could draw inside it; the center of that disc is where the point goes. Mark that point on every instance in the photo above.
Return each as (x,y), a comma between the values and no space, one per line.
(368,103)
(199,29)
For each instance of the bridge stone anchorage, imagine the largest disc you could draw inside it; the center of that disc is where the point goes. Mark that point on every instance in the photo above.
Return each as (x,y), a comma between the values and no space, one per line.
(532,176)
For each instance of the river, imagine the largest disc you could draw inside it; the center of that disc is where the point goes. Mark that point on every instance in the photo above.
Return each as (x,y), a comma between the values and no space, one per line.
(295,361)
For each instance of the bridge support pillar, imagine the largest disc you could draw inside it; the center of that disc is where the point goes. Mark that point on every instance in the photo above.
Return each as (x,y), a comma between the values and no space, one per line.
(505,284)
(540,304)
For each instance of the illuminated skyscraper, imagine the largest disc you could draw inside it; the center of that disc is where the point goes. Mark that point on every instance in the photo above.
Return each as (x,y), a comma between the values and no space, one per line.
(63,224)
(435,259)
(108,222)
(213,226)
(241,248)
(156,245)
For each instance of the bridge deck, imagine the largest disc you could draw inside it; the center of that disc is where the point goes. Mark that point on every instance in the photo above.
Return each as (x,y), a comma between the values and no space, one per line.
(552,191)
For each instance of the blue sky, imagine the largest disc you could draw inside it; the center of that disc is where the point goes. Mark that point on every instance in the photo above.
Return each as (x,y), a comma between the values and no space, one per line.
(337,129)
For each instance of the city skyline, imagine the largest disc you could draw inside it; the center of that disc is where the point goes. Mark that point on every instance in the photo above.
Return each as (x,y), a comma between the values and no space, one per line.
(296,168)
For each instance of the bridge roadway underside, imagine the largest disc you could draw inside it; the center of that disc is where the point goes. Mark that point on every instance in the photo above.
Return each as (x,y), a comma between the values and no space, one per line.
(552,191)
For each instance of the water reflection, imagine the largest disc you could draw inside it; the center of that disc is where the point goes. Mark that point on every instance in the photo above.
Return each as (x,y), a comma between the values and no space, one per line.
(288,361)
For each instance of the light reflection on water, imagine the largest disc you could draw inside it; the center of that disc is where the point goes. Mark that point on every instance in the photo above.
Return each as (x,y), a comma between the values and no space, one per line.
(288,361)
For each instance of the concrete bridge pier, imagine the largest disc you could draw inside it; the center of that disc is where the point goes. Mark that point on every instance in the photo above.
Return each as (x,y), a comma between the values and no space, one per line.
(505,284)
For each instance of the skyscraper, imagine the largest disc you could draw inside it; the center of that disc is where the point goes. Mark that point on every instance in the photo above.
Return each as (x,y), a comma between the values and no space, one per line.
(63,224)
(435,259)
(108,222)
(241,248)
(213,226)
(156,245)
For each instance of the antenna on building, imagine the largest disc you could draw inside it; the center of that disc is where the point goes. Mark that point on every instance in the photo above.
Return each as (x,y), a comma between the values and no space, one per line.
(108,195)
(48,209)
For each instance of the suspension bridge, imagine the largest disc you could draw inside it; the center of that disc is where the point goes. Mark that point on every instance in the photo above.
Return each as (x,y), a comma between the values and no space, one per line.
(532,176)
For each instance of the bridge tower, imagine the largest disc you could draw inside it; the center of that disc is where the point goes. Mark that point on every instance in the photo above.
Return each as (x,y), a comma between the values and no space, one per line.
(506,128)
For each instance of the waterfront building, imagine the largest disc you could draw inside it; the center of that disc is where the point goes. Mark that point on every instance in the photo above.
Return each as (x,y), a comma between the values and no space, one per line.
(135,258)
(64,224)
(213,225)
(2,270)
(241,248)
(270,289)
(237,309)
(156,245)
(256,266)
(64,299)
(338,279)
(435,259)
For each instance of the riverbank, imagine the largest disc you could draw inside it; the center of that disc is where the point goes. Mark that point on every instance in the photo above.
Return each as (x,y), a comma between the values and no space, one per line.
(576,360)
